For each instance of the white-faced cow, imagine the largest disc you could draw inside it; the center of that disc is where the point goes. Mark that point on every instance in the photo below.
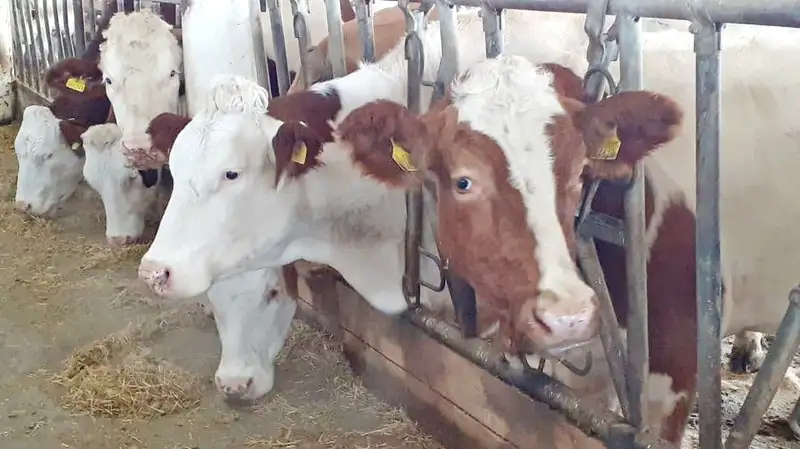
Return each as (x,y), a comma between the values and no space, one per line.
(507,152)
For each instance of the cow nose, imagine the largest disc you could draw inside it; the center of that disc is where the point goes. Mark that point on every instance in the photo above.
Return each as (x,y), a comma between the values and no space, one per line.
(234,388)
(22,206)
(155,275)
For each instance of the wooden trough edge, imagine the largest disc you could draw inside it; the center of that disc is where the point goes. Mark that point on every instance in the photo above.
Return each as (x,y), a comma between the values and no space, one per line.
(453,400)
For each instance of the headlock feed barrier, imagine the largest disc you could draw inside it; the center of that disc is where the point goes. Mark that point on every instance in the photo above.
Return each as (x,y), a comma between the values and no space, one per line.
(47,30)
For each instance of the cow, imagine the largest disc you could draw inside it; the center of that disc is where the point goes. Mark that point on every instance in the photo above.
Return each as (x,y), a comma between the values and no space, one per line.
(129,196)
(48,174)
(507,151)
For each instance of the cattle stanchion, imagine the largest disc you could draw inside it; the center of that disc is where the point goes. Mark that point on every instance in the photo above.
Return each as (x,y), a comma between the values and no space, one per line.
(493,31)
(769,378)
(709,282)
(279,44)
(335,39)
(300,22)
(637,372)
(80,29)
(364,12)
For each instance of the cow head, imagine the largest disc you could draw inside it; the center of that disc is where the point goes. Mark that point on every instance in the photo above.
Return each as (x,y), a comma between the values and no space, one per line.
(139,71)
(49,169)
(253,314)
(507,156)
(128,195)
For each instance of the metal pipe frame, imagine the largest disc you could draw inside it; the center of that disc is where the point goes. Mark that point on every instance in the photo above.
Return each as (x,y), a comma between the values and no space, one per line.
(593,420)
(775,12)
(366,31)
(36,67)
(493,30)
(335,39)
(61,50)
(300,13)
(80,31)
(448,67)
(769,378)
(279,44)
(638,357)
(709,282)
(69,43)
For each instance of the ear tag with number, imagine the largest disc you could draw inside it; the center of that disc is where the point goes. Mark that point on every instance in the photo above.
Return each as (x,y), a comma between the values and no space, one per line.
(300,153)
(609,149)
(76,84)
(402,157)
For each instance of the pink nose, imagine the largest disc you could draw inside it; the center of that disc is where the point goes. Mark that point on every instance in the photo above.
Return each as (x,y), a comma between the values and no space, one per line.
(551,327)
(234,387)
(22,206)
(157,276)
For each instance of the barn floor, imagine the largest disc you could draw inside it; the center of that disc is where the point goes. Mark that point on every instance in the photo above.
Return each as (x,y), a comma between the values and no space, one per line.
(63,290)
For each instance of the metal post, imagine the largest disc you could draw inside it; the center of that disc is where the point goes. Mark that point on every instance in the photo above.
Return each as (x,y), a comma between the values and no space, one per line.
(364,12)
(45,10)
(80,32)
(769,378)
(36,68)
(20,68)
(279,44)
(300,13)
(90,18)
(60,51)
(448,68)
(335,39)
(709,284)
(631,78)
(794,419)
(69,45)
(493,31)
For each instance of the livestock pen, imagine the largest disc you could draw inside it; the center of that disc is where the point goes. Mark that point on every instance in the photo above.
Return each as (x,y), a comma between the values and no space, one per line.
(68,293)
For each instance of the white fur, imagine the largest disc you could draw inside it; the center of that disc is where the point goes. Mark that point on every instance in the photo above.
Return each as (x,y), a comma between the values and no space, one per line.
(127,202)
(49,171)
(252,329)
(141,61)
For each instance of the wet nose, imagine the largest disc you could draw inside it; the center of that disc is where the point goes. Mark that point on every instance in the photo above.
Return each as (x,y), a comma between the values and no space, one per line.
(235,388)
(576,324)
(155,275)
(22,206)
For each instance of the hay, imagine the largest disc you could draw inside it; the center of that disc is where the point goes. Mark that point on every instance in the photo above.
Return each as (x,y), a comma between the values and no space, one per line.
(138,386)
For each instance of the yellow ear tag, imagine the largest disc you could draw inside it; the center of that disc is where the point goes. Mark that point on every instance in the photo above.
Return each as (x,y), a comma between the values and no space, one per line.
(609,150)
(76,146)
(300,153)
(402,157)
(76,84)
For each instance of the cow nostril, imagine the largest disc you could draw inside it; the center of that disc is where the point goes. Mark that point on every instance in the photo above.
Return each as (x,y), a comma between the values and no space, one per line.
(166,275)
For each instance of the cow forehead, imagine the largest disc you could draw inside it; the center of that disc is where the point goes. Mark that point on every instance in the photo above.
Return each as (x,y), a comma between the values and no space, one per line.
(139,40)
(38,138)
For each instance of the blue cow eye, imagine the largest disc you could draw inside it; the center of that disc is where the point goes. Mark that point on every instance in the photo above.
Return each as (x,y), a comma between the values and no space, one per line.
(463,184)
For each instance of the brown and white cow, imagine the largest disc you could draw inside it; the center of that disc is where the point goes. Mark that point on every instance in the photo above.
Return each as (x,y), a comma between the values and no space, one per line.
(508,155)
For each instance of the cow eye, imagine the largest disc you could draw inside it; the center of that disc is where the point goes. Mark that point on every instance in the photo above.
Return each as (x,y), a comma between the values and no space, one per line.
(106,81)
(231,175)
(173,73)
(463,184)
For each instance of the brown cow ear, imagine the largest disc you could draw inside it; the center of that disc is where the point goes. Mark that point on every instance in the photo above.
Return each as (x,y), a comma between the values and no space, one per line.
(297,149)
(72,132)
(387,142)
(164,129)
(76,77)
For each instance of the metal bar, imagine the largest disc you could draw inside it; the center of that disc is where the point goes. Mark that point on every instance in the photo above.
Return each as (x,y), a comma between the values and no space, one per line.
(79,37)
(335,39)
(36,69)
(709,284)
(92,19)
(60,50)
(769,377)
(260,52)
(44,60)
(69,46)
(775,12)
(589,418)
(493,31)
(300,13)
(415,22)
(120,5)
(610,334)
(638,367)
(51,55)
(16,41)
(448,68)
(279,44)
(364,12)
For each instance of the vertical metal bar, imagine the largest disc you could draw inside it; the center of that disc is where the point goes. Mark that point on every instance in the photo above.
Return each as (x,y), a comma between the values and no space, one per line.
(794,419)
(415,22)
(364,13)
(709,284)
(120,5)
(448,68)
(279,42)
(43,60)
(493,30)
(300,13)
(79,37)
(34,55)
(68,42)
(769,377)
(156,7)
(262,68)
(335,39)
(17,41)
(90,18)
(638,366)
(51,55)
(60,48)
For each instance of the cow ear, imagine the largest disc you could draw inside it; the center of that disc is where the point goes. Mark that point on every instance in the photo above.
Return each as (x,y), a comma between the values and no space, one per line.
(72,132)
(624,128)
(387,142)
(76,77)
(297,149)
(164,129)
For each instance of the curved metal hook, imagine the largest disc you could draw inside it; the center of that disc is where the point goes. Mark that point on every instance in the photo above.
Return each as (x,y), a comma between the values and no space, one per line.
(599,69)
(441,265)
(578,371)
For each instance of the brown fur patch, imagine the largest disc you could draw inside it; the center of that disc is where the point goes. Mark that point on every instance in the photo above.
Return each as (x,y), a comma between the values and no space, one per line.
(311,108)
(290,136)
(57,76)
(164,129)
(72,131)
